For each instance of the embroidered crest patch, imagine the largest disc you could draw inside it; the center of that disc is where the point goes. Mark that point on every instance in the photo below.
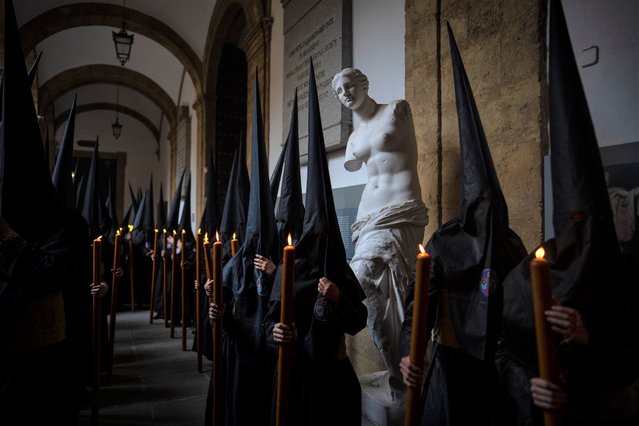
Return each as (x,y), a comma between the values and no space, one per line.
(320,310)
(488,282)
(261,290)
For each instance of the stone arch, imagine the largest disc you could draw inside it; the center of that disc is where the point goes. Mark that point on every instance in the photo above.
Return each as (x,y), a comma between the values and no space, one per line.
(62,117)
(109,74)
(255,41)
(103,14)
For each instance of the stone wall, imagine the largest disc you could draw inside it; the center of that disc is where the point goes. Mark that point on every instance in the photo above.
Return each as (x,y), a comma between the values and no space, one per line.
(501,43)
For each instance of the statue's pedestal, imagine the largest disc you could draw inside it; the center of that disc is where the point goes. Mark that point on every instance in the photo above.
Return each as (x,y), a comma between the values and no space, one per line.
(378,406)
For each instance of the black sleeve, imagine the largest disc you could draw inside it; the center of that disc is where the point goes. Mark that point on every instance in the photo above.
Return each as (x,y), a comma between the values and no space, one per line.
(350,314)
(272,317)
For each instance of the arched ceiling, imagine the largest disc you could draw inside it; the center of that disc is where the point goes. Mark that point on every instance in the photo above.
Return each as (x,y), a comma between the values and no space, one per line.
(79,57)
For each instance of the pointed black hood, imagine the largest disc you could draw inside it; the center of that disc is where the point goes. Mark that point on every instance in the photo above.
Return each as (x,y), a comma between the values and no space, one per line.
(27,198)
(249,288)
(474,252)
(585,236)
(161,214)
(110,202)
(135,202)
(172,219)
(236,202)
(185,219)
(62,173)
(320,250)
(276,176)
(91,198)
(210,221)
(587,267)
(80,184)
(126,219)
(33,70)
(138,220)
(290,212)
(148,223)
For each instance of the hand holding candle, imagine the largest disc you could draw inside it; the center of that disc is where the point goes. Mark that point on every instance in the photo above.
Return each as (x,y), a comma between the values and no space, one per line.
(285,349)
(418,335)
(546,342)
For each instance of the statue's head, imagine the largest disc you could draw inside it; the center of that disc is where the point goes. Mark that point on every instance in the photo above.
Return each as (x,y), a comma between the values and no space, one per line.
(352,73)
(350,86)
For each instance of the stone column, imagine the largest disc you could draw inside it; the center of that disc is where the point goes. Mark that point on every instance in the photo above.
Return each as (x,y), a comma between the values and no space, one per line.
(204,107)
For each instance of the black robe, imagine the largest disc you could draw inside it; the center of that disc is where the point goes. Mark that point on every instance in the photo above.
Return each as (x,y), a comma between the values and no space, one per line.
(324,387)
(49,376)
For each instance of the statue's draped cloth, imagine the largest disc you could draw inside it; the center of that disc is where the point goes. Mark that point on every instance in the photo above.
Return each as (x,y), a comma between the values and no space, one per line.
(386,244)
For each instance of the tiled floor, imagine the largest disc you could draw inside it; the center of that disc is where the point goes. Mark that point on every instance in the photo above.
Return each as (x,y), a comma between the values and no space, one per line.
(154,382)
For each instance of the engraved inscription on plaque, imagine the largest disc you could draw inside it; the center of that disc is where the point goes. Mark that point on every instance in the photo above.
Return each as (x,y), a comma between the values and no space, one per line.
(321,30)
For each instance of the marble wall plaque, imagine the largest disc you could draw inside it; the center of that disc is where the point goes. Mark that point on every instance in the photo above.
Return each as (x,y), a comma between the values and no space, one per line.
(321,29)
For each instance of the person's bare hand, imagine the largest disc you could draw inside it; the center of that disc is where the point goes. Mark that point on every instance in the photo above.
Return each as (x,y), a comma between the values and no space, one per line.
(567,322)
(215,312)
(208,287)
(264,264)
(328,289)
(118,273)
(282,333)
(99,290)
(6,232)
(547,395)
(413,375)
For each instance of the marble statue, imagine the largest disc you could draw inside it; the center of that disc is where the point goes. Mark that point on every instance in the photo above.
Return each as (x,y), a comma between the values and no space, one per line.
(391,216)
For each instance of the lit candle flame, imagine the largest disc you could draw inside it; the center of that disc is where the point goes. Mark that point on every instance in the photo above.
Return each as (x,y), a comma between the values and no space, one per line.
(183,231)
(540,253)
(199,231)
(118,232)
(290,239)
(156,230)
(422,249)
(206,237)
(174,232)
(165,230)
(217,236)
(99,238)
(130,228)
(233,235)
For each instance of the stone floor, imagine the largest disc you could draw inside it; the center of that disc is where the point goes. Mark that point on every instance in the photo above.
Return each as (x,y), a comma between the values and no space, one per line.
(154,382)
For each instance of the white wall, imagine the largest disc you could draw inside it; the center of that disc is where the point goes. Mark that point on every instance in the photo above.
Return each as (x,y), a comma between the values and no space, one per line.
(136,140)
(378,51)
(611,85)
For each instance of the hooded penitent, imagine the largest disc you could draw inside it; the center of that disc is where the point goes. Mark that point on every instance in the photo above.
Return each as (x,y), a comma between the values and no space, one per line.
(320,251)
(588,271)
(91,198)
(33,70)
(236,202)
(210,221)
(473,252)
(276,176)
(26,191)
(148,224)
(246,363)
(172,220)
(62,173)
(185,219)
(322,374)
(249,289)
(135,201)
(290,212)
(160,218)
